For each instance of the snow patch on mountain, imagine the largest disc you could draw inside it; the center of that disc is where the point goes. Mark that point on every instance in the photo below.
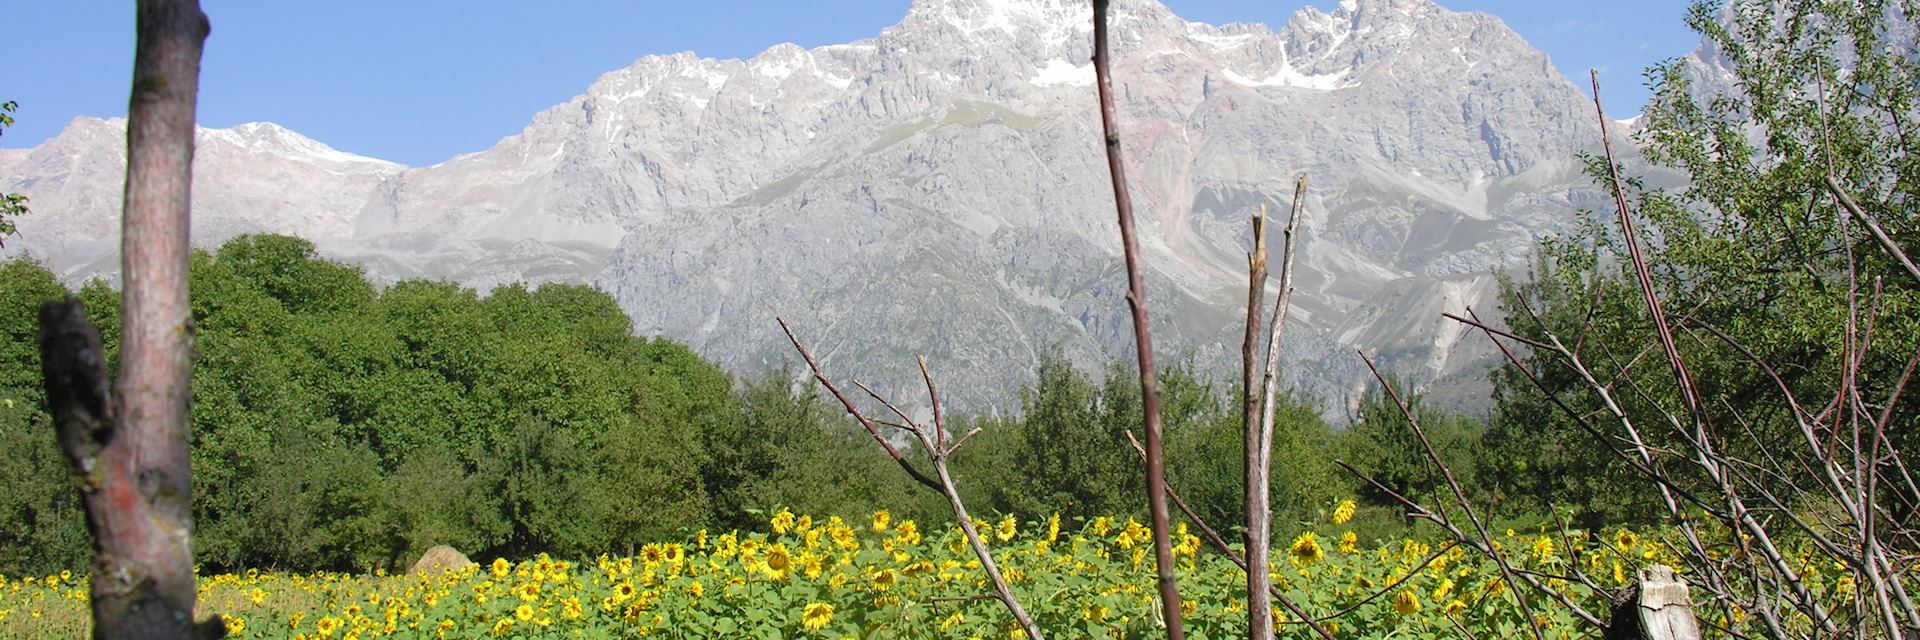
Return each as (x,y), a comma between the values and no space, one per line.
(1287,76)
(1060,72)
(272,139)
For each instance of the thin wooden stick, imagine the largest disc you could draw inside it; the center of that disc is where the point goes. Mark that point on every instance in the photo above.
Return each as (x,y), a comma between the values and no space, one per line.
(1259,511)
(1142,335)
(1631,235)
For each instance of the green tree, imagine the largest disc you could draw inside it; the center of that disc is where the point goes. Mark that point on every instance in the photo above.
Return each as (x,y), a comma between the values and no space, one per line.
(1381,443)
(1754,247)
(1072,454)
(40,523)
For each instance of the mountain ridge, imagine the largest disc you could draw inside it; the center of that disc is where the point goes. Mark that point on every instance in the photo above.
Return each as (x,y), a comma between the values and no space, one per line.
(938,188)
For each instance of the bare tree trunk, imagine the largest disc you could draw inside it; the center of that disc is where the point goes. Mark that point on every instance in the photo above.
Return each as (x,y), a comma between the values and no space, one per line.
(1143,338)
(1260,428)
(1259,605)
(128,447)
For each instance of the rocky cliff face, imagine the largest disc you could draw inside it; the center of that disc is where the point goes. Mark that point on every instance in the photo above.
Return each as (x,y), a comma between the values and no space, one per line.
(940,189)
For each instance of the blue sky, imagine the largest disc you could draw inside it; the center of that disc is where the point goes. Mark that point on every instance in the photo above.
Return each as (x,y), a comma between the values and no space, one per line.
(418,81)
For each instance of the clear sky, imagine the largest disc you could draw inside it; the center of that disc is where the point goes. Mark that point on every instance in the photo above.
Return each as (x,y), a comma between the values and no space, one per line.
(418,81)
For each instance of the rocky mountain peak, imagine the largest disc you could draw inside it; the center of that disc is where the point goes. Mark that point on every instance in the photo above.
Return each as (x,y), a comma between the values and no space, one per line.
(1360,34)
(938,189)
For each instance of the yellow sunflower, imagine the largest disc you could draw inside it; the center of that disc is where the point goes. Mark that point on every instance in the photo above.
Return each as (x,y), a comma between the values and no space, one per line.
(1305,549)
(1406,603)
(1343,512)
(782,522)
(779,562)
(816,616)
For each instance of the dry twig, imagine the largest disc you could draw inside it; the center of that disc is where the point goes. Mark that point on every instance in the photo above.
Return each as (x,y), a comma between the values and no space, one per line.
(937,454)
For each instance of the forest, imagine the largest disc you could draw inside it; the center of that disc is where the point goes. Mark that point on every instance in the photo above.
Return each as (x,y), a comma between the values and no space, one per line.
(342,426)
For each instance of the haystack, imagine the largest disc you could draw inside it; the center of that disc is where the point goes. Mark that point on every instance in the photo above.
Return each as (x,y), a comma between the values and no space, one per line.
(441,558)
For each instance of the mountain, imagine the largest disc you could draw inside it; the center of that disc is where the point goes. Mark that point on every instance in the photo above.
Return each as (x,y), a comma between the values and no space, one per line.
(940,189)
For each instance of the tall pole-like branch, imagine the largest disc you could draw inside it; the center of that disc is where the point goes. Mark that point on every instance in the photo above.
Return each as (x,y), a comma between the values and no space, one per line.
(1259,605)
(1143,338)
(1259,416)
(127,447)
(1272,368)
(1631,235)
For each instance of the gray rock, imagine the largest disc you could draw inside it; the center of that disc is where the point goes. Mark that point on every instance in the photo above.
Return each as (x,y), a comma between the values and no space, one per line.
(939,189)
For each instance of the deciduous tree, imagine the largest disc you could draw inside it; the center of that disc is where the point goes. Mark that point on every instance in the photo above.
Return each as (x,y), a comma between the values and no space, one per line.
(125,437)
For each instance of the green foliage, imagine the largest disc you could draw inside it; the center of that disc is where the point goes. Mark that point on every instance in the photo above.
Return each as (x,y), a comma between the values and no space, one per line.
(339,426)
(1206,459)
(1069,451)
(1753,246)
(12,205)
(1382,444)
(40,521)
(792,449)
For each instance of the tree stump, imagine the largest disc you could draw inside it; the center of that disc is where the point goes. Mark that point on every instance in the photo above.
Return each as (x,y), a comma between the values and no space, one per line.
(1656,607)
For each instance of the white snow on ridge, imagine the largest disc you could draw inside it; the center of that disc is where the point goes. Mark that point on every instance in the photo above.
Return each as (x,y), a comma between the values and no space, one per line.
(1060,72)
(776,70)
(272,139)
(1288,77)
(645,86)
(1219,41)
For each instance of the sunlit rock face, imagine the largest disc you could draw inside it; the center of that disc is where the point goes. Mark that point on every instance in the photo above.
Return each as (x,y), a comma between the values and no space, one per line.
(940,189)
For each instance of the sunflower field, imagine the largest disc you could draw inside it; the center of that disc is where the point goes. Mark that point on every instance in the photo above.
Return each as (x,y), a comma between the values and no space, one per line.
(887,578)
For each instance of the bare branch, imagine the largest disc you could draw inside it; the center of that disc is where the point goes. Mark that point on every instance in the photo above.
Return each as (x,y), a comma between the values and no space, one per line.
(945,486)
(1688,393)
(1142,335)
(857,416)
(963,440)
(933,396)
(1873,226)
(1259,605)
(1460,494)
